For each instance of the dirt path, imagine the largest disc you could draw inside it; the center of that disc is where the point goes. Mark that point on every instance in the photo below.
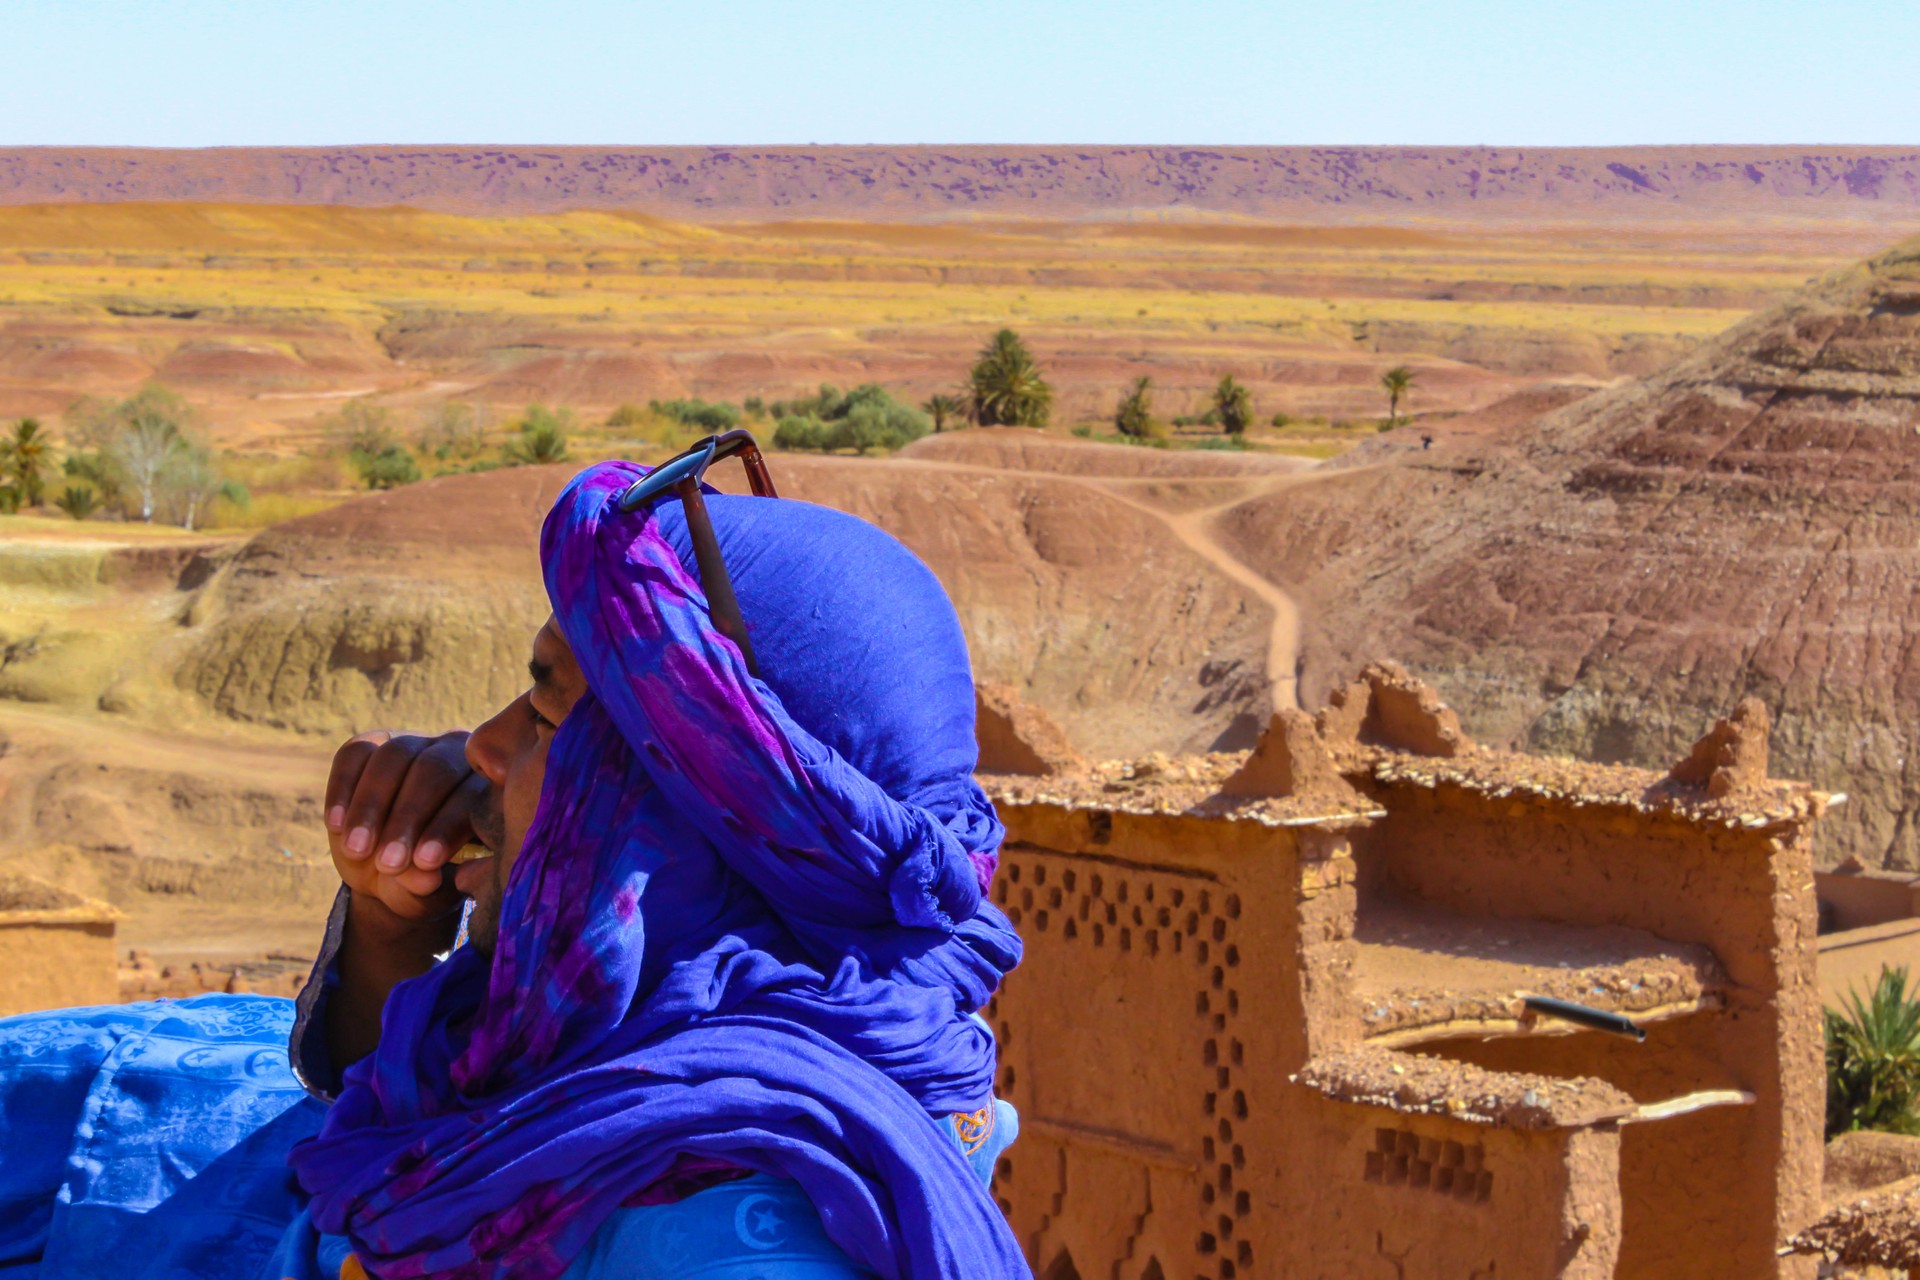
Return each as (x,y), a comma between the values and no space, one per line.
(1195,530)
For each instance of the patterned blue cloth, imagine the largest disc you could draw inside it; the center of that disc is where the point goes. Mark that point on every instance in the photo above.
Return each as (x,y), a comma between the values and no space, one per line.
(149,1142)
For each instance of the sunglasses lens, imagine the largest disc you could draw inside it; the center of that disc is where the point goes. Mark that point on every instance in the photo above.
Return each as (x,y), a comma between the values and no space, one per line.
(690,465)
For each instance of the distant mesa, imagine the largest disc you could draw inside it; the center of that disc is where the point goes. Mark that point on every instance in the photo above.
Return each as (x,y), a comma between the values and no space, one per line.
(881,183)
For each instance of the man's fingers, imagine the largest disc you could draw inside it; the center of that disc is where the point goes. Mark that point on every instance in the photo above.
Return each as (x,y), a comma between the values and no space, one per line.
(451,827)
(422,884)
(431,781)
(344,775)
(374,792)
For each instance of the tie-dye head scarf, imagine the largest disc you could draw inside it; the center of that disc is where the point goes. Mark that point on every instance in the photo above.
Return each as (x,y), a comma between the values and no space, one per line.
(747,925)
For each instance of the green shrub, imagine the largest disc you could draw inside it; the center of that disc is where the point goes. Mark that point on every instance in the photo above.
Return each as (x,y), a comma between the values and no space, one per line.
(1873,1059)
(1133,417)
(454,430)
(78,501)
(797,431)
(1084,431)
(1232,406)
(97,469)
(865,418)
(360,427)
(541,439)
(711,417)
(388,469)
(627,415)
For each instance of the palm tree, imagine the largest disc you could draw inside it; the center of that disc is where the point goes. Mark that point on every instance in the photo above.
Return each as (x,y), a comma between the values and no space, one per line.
(1133,416)
(1006,387)
(1233,405)
(1398,381)
(943,408)
(26,456)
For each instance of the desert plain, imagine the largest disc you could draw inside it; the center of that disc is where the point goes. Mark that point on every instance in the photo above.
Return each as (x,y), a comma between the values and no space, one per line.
(169,698)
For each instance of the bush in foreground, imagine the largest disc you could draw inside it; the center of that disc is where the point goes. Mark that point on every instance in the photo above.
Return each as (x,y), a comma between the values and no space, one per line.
(1873,1059)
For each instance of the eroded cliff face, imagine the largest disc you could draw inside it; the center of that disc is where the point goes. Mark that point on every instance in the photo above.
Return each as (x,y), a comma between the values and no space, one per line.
(1600,582)
(416,607)
(918,182)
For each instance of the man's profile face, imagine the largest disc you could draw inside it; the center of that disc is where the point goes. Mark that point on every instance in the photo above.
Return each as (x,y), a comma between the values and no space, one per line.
(510,751)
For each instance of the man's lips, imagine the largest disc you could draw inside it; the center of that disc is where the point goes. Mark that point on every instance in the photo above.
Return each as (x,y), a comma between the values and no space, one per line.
(473,873)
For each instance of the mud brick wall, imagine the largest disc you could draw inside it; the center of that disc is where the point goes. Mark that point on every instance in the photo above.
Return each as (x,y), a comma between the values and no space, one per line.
(1709,1194)
(1181,969)
(51,965)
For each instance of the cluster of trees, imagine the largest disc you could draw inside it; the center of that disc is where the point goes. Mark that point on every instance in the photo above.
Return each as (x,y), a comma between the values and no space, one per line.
(139,457)
(142,457)
(455,435)
(867,417)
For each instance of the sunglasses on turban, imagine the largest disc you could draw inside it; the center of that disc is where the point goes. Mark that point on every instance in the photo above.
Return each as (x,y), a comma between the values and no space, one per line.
(681,475)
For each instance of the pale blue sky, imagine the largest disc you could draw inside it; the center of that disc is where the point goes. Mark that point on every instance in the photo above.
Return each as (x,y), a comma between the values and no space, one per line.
(1522,72)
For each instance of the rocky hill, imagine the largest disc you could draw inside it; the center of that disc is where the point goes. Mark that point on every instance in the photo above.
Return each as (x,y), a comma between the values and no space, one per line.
(1598,582)
(415,607)
(1303,183)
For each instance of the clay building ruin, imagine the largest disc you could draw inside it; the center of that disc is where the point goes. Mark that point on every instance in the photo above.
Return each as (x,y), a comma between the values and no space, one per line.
(1283,1017)
(56,947)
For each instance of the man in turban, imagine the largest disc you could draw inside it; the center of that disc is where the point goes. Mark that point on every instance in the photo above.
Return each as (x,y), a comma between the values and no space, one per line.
(715,1011)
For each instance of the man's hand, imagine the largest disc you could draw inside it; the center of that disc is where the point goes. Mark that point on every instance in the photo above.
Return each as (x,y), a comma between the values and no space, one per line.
(398,807)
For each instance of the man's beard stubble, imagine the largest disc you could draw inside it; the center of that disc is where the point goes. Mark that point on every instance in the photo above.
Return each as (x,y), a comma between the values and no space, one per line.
(489,819)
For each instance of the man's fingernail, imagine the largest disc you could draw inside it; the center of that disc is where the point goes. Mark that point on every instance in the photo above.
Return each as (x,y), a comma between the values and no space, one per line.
(394,856)
(358,840)
(336,817)
(430,854)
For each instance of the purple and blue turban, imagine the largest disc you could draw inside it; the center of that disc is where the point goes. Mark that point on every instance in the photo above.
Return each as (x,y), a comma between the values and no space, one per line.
(746,929)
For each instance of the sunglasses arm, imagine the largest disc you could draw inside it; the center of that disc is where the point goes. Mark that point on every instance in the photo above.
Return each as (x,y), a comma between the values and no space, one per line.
(714,578)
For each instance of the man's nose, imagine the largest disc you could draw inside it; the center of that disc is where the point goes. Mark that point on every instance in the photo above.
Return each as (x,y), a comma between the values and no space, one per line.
(490,749)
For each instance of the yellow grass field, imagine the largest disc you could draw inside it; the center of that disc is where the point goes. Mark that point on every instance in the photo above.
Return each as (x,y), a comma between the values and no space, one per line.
(268,317)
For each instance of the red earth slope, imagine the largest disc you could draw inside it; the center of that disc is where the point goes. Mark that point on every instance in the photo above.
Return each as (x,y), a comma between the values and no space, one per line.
(1603,581)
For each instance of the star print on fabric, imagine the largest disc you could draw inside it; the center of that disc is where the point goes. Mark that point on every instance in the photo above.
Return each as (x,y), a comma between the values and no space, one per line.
(759,1224)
